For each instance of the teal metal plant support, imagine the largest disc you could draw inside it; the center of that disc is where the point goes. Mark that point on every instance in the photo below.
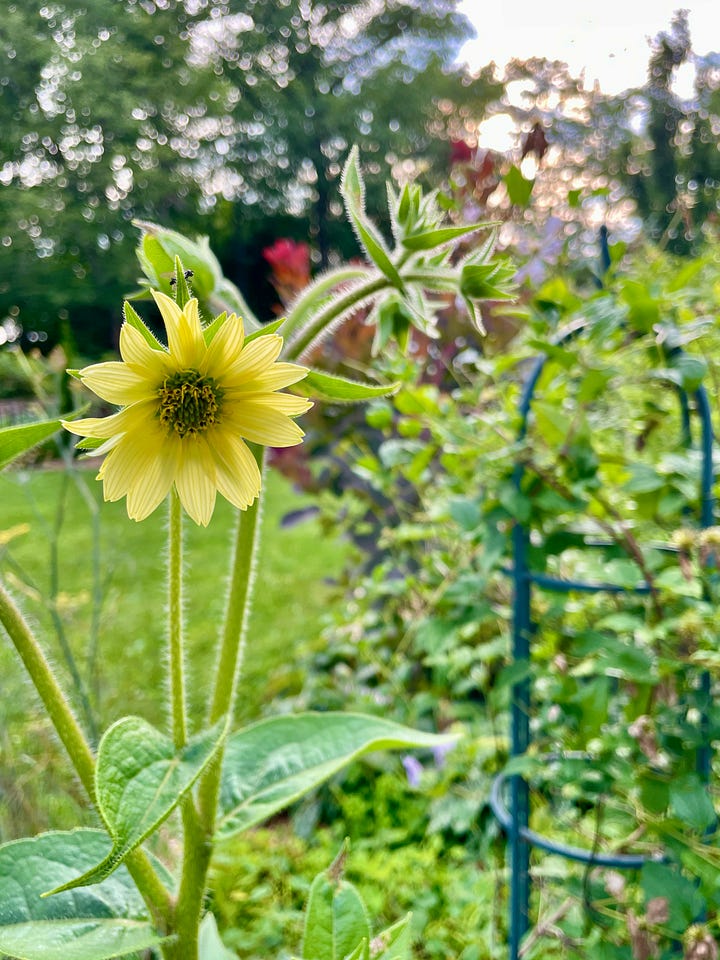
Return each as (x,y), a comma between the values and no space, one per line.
(510,795)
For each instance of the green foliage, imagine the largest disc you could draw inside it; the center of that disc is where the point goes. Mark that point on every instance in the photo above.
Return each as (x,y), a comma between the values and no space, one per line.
(277,761)
(108,921)
(613,492)
(141,778)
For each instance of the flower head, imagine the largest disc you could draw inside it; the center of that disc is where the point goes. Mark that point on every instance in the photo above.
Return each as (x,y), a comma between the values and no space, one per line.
(187,411)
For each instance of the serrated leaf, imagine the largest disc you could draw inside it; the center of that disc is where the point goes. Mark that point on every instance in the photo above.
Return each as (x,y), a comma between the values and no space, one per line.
(108,921)
(396,943)
(336,921)
(352,190)
(17,440)
(210,946)
(272,763)
(440,236)
(140,779)
(331,387)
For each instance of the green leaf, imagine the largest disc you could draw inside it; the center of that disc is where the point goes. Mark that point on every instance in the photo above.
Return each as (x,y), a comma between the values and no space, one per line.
(15,441)
(690,801)
(352,190)
(274,762)
(140,779)
(266,329)
(210,944)
(135,320)
(336,921)
(440,236)
(108,921)
(395,941)
(518,188)
(331,387)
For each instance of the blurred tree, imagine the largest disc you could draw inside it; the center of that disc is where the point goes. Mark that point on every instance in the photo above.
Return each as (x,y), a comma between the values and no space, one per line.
(207,116)
(314,78)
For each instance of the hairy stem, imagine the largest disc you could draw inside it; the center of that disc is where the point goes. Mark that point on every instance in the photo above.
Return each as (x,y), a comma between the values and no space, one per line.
(68,729)
(232,642)
(175,601)
(336,308)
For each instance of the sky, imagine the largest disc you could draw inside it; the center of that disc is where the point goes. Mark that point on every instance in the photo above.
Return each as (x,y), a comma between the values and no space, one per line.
(606,38)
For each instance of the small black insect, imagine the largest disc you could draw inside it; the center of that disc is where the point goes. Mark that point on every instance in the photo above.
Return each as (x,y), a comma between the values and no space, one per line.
(188,276)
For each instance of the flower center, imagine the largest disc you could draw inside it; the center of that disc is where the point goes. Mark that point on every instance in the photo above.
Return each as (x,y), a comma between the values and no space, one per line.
(189,402)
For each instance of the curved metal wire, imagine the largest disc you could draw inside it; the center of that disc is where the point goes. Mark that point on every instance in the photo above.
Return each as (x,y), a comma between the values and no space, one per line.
(515,819)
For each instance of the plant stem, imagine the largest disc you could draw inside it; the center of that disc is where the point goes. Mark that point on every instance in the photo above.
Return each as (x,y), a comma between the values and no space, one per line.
(355,297)
(175,599)
(232,643)
(68,729)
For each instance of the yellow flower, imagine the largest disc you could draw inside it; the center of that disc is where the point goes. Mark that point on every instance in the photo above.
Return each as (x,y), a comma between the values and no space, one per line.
(186,412)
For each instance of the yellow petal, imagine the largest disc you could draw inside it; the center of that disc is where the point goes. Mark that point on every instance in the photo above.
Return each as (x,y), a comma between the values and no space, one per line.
(185,339)
(224,349)
(286,403)
(115,382)
(101,427)
(140,356)
(195,480)
(254,359)
(152,484)
(236,473)
(266,426)
(274,377)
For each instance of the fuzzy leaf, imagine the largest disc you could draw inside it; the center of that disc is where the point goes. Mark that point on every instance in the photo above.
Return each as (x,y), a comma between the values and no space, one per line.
(440,236)
(331,387)
(266,329)
(135,320)
(140,779)
(336,921)
(14,441)
(108,921)
(274,762)
(396,944)
(352,190)
(210,945)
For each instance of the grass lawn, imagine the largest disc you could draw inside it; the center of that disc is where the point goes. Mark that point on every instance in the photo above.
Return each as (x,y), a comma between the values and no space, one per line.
(290,597)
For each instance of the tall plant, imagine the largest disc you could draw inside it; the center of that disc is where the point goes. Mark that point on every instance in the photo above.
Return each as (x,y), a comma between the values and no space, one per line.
(195,417)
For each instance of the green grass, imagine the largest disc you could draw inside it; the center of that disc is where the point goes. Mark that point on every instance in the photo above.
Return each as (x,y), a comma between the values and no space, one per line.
(290,597)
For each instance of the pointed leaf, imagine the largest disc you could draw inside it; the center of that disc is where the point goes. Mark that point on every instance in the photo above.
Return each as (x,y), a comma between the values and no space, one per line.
(210,944)
(140,779)
(331,387)
(266,329)
(14,441)
(442,235)
(108,921)
(395,943)
(135,320)
(181,290)
(212,328)
(274,762)
(336,921)
(352,190)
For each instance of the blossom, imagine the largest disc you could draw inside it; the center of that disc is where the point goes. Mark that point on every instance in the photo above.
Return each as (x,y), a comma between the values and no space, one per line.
(187,411)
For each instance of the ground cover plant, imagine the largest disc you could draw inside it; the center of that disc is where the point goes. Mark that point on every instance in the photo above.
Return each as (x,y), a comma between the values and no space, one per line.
(194,419)
(624,679)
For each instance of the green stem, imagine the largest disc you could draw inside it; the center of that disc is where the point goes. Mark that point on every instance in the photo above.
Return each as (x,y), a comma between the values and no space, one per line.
(353,298)
(232,643)
(175,599)
(68,729)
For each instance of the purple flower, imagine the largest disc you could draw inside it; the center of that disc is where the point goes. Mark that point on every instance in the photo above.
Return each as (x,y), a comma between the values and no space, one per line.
(413,769)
